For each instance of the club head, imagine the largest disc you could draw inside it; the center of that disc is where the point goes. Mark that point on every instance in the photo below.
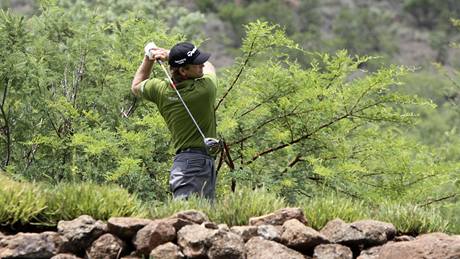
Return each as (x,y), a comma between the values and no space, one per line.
(214,146)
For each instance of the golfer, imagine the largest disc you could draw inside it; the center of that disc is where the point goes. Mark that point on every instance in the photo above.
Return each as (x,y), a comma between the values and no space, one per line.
(193,170)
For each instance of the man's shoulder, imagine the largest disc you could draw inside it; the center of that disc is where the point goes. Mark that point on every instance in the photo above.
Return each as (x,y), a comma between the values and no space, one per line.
(152,87)
(209,78)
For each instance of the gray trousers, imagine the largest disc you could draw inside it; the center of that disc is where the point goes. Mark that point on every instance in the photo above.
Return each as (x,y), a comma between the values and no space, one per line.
(193,172)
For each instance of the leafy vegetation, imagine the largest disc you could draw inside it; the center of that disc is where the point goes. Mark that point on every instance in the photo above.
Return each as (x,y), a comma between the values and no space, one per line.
(23,203)
(303,127)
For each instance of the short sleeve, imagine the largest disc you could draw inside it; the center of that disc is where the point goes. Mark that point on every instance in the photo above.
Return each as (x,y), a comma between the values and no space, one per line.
(150,89)
(211,77)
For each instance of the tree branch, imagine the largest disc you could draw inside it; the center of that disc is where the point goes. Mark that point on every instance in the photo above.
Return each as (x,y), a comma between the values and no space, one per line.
(306,136)
(130,110)
(6,128)
(439,199)
(250,54)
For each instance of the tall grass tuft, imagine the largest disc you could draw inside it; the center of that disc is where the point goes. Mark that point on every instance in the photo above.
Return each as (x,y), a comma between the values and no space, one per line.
(236,208)
(35,203)
(70,200)
(320,210)
(412,219)
(233,209)
(20,203)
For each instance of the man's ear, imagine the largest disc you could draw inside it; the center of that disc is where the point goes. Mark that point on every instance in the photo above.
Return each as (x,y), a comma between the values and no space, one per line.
(182,71)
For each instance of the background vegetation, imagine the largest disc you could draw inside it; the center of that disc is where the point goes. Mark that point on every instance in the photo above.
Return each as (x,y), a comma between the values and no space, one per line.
(326,108)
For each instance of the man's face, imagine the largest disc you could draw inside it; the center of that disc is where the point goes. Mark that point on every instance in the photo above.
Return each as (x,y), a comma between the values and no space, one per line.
(193,71)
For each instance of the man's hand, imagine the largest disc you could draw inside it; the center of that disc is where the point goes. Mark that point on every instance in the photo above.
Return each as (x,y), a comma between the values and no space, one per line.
(155,53)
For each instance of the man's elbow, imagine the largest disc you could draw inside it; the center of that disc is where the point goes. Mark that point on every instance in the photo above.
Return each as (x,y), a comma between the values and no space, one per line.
(135,89)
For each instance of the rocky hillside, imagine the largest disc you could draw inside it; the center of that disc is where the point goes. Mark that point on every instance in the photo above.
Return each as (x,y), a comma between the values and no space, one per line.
(190,234)
(414,33)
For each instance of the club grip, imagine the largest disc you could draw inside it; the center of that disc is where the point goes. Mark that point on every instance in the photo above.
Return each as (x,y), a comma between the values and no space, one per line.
(147,49)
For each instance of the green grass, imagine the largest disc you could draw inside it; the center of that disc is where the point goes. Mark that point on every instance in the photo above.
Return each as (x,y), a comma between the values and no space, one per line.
(413,219)
(36,203)
(20,203)
(233,209)
(323,209)
(70,200)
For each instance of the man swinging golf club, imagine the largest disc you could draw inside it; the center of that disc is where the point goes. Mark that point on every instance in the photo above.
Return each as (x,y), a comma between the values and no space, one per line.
(185,99)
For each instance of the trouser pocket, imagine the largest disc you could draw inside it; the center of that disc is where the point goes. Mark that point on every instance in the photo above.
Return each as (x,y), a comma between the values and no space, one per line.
(192,174)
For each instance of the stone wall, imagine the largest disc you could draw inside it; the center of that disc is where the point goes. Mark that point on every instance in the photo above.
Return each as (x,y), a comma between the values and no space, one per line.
(189,234)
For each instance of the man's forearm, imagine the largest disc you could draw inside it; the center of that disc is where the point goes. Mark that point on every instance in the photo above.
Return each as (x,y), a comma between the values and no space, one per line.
(142,73)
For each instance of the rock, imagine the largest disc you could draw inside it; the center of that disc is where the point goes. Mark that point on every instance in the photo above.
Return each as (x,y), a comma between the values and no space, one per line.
(403,238)
(332,251)
(371,253)
(125,227)
(296,235)
(195,240)
(226,245)
(363,233)
(156,233)
(167,251)
(65,256)
(246,232)
(194,216)
(178,223)
(430,246)
(210,225)
(131,256)
(80,233)
(107,246)
(259,248)
(269,232)
(279,217)
(31,245)
(223,227)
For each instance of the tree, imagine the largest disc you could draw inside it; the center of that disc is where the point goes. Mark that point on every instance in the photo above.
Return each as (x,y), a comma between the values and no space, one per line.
(67,113)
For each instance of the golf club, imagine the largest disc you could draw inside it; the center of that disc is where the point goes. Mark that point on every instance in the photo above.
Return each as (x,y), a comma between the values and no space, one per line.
(212,145)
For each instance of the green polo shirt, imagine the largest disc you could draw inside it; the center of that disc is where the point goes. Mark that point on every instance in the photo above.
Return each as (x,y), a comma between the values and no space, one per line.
(199,95)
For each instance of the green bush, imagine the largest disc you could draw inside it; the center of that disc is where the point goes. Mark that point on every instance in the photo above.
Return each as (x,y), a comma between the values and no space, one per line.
(38,203)
(21,203)
(69,200)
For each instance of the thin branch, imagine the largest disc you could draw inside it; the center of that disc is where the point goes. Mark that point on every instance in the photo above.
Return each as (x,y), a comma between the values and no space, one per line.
(263,124)
(79,73)
(440,199)
(306,136)
(274,96)
(250,54)
(130,110)
(7,129)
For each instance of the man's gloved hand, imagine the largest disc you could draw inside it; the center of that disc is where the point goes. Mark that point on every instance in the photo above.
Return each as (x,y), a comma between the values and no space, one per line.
(155,53)
(148,49)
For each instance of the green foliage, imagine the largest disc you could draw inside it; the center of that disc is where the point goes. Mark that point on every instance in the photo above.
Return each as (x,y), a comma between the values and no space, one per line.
(364,31)
(322,209)
(332,124)
(41,204)
(435,16)
(20,202)
(69,200)
(300,21)
(233,209)
(412,219)
(431,13)
(65,104)
(34,203)
(295,127)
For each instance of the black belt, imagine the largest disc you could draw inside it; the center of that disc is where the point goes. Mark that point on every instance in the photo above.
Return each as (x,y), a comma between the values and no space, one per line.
(192,150)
